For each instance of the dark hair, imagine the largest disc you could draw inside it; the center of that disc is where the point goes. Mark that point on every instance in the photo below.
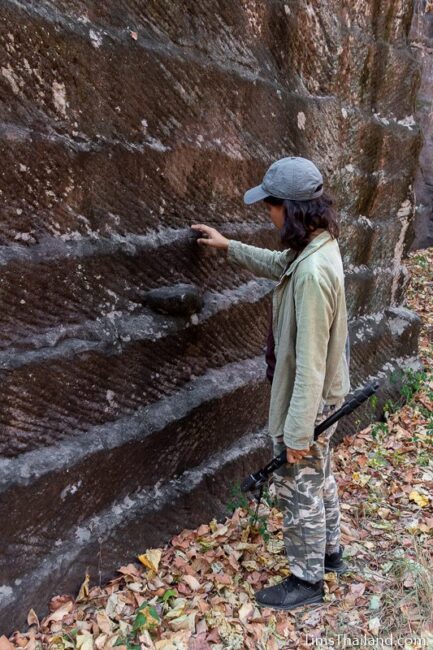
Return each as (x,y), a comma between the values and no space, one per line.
(302,217)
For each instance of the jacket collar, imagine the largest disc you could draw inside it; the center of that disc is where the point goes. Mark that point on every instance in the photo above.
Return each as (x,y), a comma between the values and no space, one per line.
(311,247)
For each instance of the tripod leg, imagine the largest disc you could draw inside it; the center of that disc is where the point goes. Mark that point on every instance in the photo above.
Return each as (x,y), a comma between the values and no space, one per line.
(259,499)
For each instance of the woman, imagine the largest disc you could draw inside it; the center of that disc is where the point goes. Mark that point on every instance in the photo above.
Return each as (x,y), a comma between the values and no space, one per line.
(308,365)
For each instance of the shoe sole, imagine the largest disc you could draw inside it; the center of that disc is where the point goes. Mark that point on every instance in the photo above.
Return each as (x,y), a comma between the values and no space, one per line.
(309,601)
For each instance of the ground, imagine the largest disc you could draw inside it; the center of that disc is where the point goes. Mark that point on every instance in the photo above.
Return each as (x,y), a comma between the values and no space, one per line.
(197,592)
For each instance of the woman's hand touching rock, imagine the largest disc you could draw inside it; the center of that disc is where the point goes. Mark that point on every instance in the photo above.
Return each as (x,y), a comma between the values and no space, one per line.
(213,237)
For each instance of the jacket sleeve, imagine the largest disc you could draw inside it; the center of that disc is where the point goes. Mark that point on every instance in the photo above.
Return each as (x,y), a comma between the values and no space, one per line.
(314,305)
(347,350)
(260,261)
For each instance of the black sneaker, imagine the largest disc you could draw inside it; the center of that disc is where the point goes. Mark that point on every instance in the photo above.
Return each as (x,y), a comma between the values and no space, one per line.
(290,593)
(334,562)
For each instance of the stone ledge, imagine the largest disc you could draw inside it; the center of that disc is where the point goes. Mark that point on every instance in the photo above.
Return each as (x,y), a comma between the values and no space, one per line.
(130,525)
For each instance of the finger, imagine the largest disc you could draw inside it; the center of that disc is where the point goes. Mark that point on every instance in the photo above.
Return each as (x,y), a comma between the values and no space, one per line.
(204,241)
(201,226)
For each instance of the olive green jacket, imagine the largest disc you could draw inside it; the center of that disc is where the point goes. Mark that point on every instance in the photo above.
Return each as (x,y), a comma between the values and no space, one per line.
(310,332)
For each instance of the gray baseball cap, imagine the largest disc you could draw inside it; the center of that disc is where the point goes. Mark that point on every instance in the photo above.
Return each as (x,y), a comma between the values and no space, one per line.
(293,178)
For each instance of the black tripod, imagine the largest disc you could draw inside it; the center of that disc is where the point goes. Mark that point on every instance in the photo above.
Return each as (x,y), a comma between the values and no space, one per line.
(255,482)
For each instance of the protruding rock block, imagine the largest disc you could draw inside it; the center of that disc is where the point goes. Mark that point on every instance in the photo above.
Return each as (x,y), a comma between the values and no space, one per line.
(177,300)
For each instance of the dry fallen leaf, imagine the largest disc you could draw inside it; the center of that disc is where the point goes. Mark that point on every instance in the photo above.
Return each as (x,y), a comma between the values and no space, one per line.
(246,612)
(84,641)
(374,625)
(192,582)
(151,559)
(5,644)
(32,618)
(60,613)
(84,589)
(420,499)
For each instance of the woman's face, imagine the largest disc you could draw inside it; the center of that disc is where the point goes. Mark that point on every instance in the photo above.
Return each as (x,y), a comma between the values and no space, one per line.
(276,212)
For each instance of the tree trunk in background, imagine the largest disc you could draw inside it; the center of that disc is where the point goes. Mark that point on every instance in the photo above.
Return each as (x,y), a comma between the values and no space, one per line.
(127,416)
(421,39)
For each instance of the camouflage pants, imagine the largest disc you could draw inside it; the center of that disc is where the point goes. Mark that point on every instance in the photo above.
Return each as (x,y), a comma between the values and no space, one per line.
(307,495)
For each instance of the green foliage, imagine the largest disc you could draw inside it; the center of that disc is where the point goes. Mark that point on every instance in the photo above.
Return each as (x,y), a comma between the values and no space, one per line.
(372,400)
(430,426)
(389,407)
(411,382)
(168,593)
(378,460)
(255,521)
(267,497)
(421,103)
(239,500)
(422,261)
(377,429)
(397,457)
(146,618)
(423,459)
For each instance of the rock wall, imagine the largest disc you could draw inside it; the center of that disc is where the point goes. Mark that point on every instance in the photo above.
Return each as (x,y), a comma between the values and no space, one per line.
(421,41)
(125,415)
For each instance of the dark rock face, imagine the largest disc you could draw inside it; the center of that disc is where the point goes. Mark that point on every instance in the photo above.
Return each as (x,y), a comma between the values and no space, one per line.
(421,40)
(120,125)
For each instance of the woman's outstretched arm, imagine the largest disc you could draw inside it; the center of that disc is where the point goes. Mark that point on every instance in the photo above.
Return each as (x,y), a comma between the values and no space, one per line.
(260,261)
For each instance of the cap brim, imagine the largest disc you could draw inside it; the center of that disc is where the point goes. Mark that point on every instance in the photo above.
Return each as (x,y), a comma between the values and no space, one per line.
(255,194)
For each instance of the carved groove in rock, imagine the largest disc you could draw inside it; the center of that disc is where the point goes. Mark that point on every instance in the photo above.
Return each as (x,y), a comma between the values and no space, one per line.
(121,424)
